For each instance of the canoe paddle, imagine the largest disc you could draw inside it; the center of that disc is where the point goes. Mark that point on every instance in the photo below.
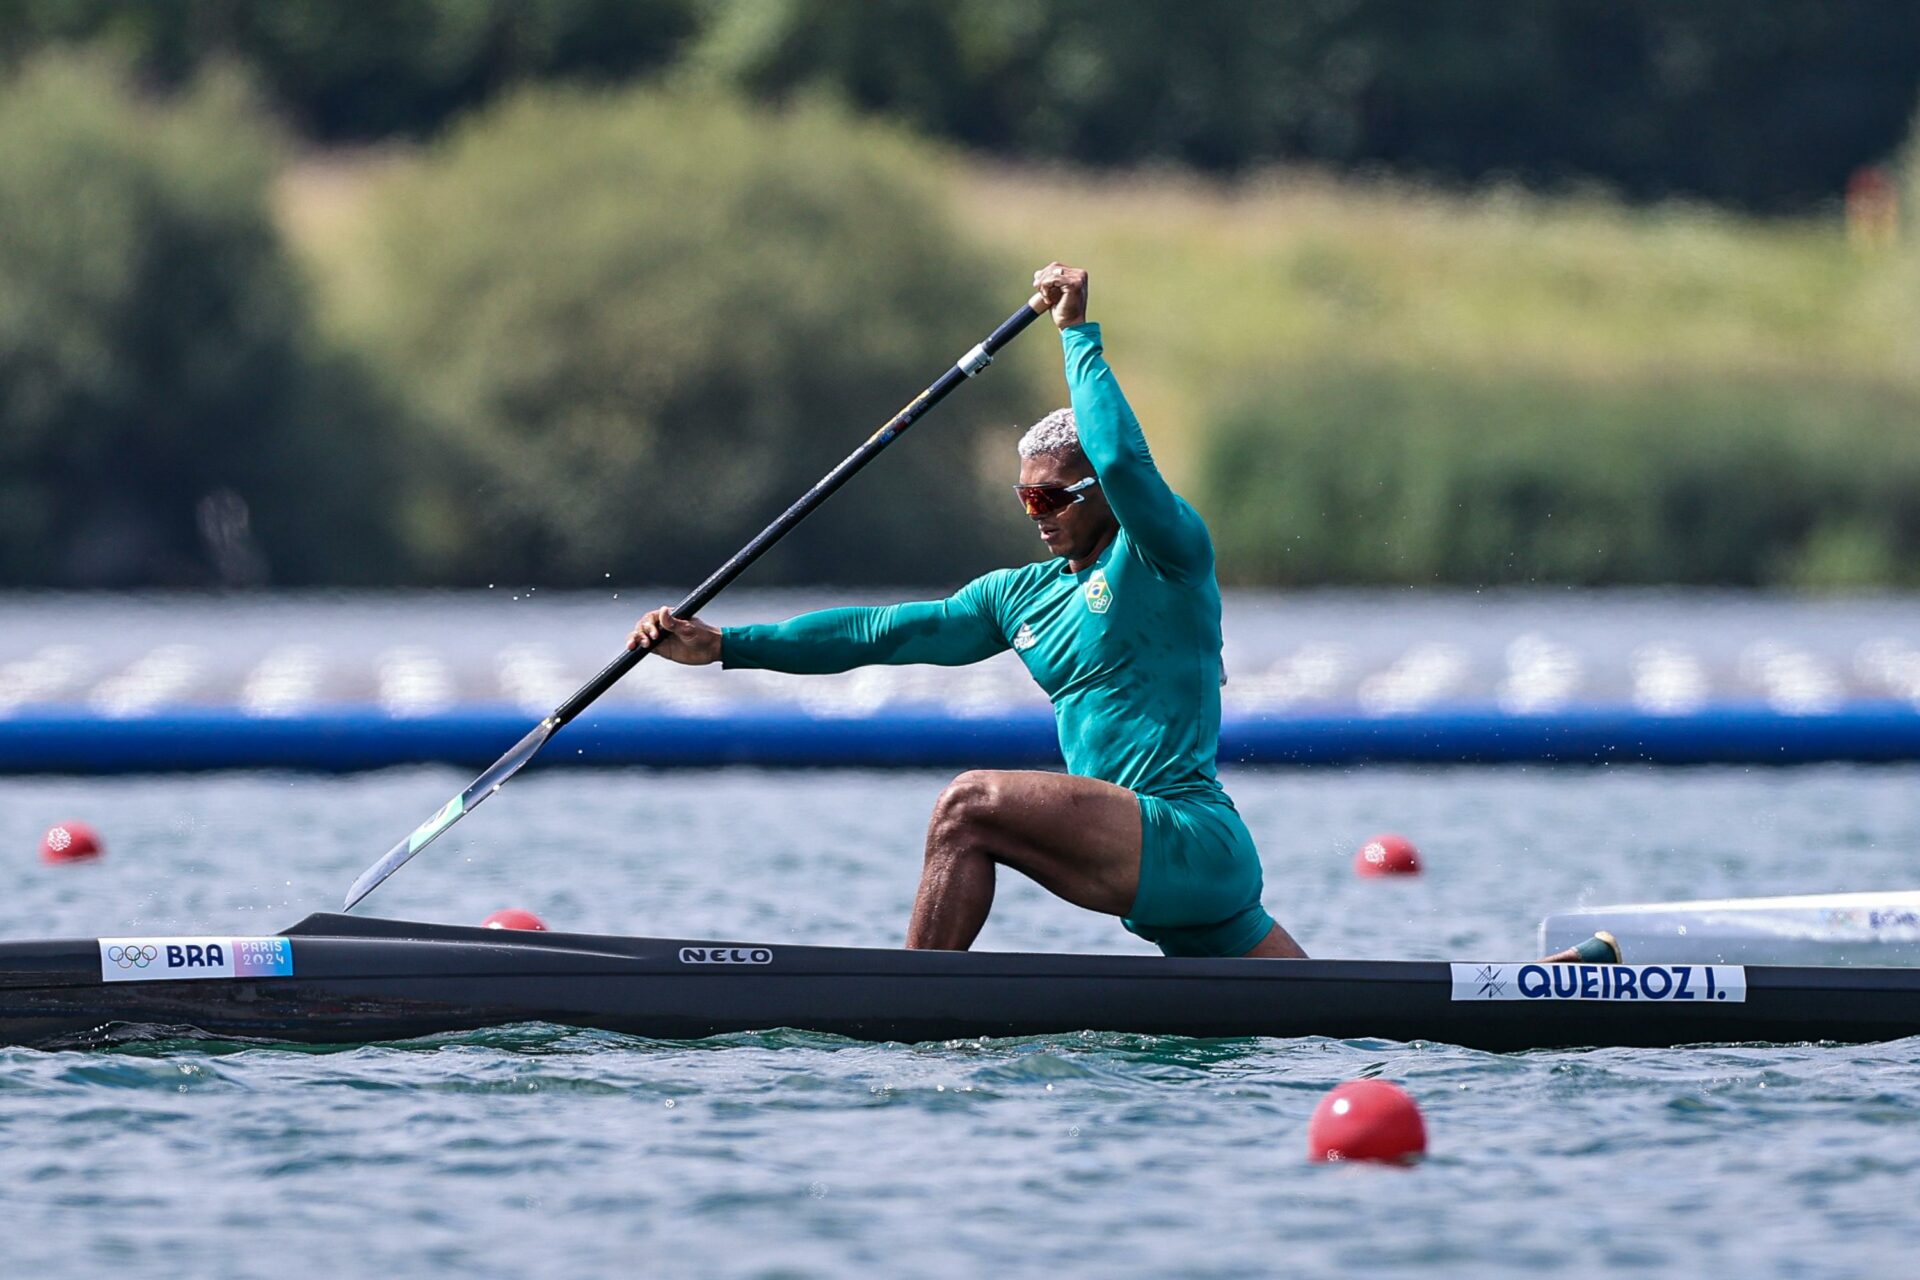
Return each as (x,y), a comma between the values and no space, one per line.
(523,751)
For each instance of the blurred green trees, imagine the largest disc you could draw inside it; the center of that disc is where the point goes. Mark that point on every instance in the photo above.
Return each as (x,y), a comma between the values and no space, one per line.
(638,325)
(341,71)
(166,413)
(1761,106)
(582,332)
(1376,475)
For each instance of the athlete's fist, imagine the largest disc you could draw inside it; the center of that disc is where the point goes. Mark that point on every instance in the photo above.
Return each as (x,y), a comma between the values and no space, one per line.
(1064,290)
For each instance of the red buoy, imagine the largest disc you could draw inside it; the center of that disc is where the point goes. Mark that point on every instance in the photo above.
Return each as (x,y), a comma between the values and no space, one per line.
(1387,855)
(514,918)
(1366,1120)
(70,842)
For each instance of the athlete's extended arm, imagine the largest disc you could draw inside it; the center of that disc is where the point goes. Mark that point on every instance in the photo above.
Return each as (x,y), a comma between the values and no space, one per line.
(947,633)
(1158,521)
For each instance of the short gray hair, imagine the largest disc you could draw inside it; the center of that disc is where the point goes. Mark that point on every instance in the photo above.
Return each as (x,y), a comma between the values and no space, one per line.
(1054,436)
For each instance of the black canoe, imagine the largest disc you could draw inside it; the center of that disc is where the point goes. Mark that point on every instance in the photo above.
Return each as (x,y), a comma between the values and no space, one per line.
(334,979)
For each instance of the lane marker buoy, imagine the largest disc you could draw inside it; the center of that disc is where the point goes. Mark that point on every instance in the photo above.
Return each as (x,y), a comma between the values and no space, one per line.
(1387,855)
(515,918)
(70,842)
(1366,1120)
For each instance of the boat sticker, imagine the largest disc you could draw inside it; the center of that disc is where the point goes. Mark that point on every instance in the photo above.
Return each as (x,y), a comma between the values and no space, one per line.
(171,959)
(1660,983)
(726,955)
(1893,918)
(449,813)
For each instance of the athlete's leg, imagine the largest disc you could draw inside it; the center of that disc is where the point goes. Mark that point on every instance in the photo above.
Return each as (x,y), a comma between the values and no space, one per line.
(1079,838)
(1278,945)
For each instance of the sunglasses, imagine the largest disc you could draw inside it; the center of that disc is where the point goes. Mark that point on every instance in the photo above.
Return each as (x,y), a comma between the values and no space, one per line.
(1045,499)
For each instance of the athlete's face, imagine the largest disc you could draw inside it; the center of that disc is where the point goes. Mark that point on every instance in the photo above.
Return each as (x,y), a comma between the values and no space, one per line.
(1079,530)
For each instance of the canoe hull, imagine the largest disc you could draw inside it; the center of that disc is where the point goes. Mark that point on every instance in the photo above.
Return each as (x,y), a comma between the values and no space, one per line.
(354,981)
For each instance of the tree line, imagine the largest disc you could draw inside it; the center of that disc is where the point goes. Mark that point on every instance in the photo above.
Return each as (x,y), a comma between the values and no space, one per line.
(600,337)
(1762,107)
(650,268)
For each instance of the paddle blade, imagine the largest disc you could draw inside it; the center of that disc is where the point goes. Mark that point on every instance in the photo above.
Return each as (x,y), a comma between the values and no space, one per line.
(452,811)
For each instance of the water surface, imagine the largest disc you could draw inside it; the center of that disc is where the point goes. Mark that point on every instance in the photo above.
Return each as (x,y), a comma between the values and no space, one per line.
(561,1152)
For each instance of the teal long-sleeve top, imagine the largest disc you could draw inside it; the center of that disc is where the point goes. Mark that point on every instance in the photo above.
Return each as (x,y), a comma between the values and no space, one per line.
(1128,649)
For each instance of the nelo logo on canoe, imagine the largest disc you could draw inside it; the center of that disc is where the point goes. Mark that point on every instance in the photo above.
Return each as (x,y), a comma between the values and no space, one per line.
(726,955)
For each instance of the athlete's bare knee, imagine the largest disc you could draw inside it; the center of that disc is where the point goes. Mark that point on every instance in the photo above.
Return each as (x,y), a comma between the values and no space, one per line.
(966,806)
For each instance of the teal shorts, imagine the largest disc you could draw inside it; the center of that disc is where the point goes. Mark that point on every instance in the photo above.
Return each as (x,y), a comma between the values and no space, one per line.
(1199,880)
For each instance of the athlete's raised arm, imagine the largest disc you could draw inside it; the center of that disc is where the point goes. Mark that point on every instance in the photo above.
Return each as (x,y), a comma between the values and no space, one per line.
(1168,531)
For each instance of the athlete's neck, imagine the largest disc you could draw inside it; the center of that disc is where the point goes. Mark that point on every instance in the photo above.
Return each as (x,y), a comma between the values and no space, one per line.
(1092,557)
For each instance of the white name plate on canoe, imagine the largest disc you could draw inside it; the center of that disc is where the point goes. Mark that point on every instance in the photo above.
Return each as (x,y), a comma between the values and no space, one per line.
(171,959)
(1656,983)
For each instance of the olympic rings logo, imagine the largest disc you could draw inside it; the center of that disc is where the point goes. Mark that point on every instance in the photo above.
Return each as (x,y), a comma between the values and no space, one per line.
(133,957)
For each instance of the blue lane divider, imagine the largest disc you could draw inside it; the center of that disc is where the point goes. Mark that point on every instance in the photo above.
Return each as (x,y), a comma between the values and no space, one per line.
(60,740)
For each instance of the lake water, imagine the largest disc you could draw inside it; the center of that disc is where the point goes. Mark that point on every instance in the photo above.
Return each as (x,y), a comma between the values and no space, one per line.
(553,1152)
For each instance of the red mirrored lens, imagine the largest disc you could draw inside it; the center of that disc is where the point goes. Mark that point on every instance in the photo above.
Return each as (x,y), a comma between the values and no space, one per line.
(1043,499)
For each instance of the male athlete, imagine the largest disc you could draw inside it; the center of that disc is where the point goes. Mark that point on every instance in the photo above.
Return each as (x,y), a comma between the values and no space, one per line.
(1122,629)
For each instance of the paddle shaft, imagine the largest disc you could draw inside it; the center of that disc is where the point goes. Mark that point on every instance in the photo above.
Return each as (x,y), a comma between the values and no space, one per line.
(718,580)
(523,751)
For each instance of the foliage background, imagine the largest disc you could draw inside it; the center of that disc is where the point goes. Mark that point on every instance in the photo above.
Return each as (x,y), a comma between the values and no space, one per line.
(158,356)
(443,291)
(638,326)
